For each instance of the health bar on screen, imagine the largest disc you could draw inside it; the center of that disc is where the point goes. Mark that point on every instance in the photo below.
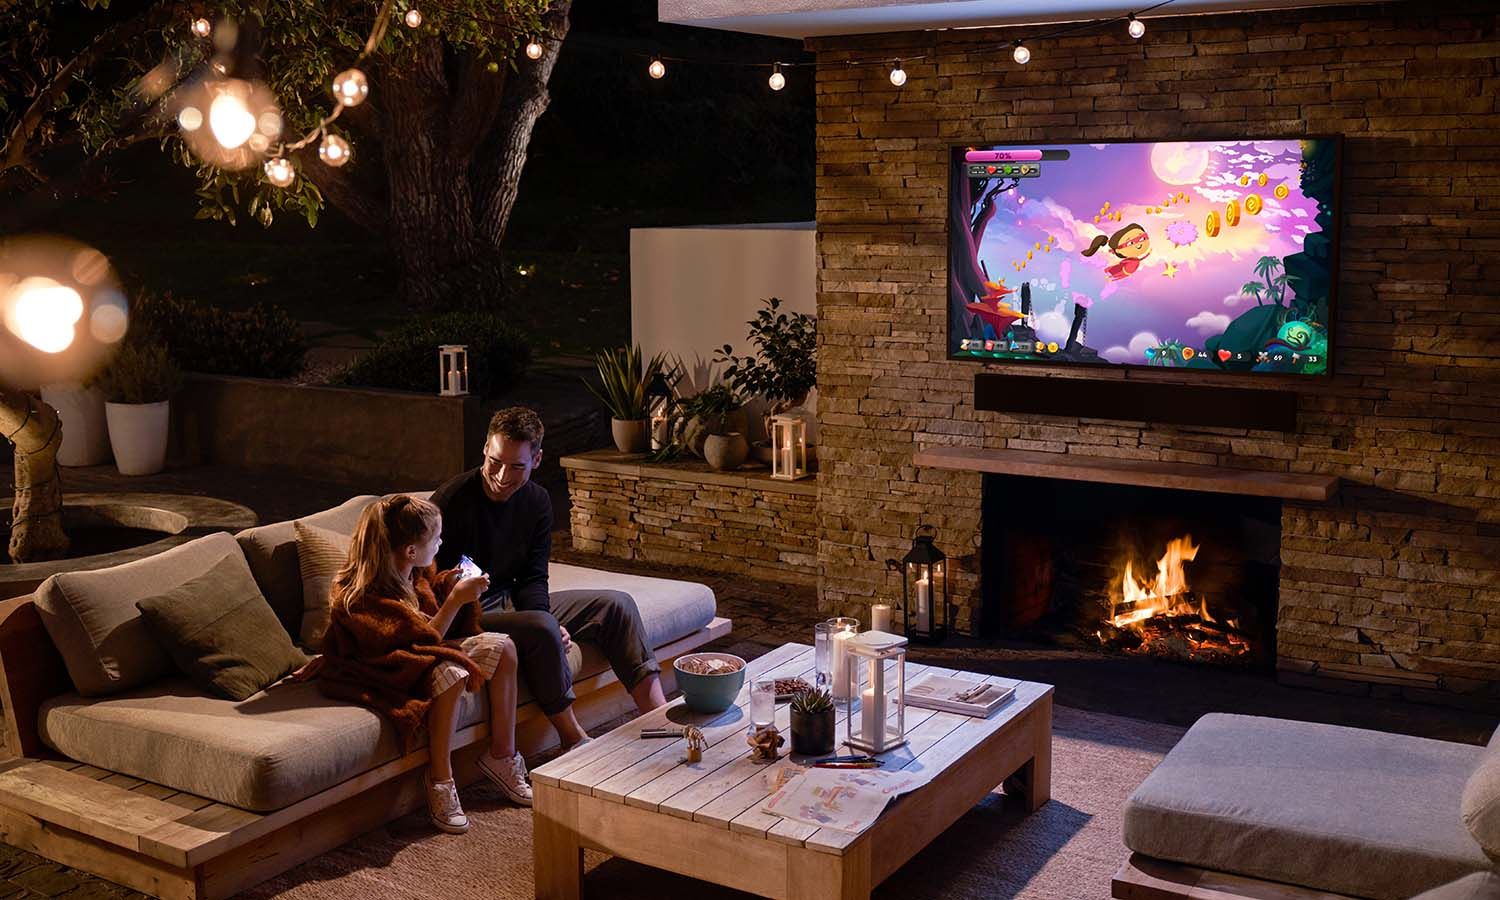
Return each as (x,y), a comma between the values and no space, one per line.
(1001,155)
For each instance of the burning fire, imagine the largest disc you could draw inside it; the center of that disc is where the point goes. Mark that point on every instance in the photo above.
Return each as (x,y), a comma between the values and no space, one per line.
(1166,617)
(1166,595)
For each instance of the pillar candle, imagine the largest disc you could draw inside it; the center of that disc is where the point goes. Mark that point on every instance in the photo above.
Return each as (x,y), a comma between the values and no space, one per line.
(837,660)
(924,604)
(871,724)
(880,617)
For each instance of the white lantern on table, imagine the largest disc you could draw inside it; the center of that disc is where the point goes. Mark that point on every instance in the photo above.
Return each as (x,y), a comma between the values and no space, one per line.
(788,448)
(875,703)
(453,370)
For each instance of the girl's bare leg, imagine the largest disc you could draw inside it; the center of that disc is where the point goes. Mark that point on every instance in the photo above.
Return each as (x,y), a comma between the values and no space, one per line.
(502,691)
(442,716)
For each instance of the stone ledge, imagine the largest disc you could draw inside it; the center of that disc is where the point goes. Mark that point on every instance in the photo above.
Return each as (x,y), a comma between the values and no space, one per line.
(636,465)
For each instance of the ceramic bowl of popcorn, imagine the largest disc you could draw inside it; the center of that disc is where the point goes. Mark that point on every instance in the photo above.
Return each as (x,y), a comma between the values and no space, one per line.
(709,681)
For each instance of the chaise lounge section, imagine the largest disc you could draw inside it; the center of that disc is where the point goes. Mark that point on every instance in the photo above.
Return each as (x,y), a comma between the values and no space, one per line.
(178,793)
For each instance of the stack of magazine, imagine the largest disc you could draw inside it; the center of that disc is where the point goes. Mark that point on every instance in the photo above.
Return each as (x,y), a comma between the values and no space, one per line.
(972,698)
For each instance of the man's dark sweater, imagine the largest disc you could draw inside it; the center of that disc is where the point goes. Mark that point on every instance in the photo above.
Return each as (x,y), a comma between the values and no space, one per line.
(510,541)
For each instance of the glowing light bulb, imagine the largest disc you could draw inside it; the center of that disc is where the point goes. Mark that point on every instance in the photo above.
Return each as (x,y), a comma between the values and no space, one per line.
(230,119)
(777,81)
(42,313)
(413,18)
(534,49)
(202,27)
(657,69)
(279,171)
(191,118)
(898,75)
(334,150)
(1021,55)
(1137,28)
(350,87)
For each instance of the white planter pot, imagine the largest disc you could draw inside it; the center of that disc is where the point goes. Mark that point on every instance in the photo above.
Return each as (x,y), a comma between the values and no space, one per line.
(138,434)
(85,433)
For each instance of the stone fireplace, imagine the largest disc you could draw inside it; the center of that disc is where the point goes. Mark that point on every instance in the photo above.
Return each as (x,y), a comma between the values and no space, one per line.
(1392,584)
(1183,575)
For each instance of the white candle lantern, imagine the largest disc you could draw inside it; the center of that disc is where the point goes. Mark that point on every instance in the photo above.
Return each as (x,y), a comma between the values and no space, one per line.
(875,704)
(453,370)
(788,448)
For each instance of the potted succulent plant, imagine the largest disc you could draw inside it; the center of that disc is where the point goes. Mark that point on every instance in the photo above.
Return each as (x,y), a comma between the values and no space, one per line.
(716,427)
(137,387)
(623,381)
(784,367)
(812,722)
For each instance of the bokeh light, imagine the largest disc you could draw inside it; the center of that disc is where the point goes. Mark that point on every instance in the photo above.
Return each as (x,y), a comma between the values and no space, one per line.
(62,312)
(242,118)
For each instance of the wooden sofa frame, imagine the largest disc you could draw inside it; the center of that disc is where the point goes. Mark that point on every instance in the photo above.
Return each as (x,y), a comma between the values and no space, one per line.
(177,846)
(1147,878)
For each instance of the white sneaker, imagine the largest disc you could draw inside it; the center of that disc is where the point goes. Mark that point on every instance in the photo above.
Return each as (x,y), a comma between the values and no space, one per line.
(509,775)
(443,806)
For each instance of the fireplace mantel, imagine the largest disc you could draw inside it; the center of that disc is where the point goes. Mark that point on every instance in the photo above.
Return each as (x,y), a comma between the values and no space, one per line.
(1146,473)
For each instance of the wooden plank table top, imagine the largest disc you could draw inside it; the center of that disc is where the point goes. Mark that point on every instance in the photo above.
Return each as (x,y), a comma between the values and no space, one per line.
(640,799)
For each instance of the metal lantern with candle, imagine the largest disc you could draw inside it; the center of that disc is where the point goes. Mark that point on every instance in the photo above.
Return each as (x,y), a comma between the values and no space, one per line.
(924,589)
(788,448)
(453,370)
(875,701)
(658,408)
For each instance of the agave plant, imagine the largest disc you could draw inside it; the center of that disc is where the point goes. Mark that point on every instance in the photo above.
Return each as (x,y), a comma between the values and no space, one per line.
(623,380)
(812,702)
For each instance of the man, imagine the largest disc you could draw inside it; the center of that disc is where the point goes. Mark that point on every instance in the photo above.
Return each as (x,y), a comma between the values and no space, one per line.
(497,517)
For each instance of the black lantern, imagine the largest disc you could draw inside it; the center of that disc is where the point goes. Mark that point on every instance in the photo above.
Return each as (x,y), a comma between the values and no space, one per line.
(924,589)
(658,408)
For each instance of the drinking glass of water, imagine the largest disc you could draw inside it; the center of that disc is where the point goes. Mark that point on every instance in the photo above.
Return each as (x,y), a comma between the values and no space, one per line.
(763,701)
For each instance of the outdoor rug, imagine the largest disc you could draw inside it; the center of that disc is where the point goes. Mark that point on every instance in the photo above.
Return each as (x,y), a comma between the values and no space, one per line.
(1066,851)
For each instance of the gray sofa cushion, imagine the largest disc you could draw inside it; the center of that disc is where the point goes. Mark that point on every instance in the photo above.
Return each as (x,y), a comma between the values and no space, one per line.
(1338,809)
(271,551)
(92,619)
(670,609)
(262,753)
(1481,799)
(1485,886)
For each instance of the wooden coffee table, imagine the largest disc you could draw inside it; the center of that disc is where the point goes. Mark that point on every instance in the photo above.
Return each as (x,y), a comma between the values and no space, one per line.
(641,800)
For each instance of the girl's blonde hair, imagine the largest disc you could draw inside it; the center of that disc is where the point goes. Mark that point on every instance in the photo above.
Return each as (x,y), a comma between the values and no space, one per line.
(385,527)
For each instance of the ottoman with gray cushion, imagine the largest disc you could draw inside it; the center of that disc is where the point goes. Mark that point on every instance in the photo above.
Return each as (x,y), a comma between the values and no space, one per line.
(1344,810)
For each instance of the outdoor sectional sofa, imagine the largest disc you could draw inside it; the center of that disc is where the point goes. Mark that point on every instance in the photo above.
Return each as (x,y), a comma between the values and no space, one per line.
(181,794)
(1252,807)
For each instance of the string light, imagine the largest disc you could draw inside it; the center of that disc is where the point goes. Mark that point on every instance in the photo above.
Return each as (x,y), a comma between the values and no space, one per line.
(657,69)
(777,80)
(350,87)
(334,150)
(279,171)
(413,18)
(534,49)
(202,27)
(1021,55)
(898,75)
(1136,28)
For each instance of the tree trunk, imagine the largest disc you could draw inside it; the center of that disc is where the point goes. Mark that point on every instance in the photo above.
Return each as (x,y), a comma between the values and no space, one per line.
(36,513)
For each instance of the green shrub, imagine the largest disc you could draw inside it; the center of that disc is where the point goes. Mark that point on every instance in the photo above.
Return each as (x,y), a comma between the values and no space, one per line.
(407,358)
(261,342)
(141,372)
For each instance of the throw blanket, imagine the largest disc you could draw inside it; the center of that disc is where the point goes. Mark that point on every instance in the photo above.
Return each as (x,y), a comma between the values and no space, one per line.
(380,651)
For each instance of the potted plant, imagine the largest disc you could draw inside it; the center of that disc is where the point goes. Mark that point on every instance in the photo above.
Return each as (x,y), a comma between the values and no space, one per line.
(784,367)
(812,722)
(623,381)
(137,387)
(715,427)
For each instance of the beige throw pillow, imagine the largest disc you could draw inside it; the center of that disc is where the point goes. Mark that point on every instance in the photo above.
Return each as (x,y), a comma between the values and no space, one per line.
(320,555)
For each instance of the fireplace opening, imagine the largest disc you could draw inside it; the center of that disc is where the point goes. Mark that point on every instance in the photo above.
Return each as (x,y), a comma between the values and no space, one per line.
(1180,575)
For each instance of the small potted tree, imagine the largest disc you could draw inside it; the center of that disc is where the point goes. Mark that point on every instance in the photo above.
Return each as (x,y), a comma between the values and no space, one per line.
(622,389)
(784,367)
(138,387)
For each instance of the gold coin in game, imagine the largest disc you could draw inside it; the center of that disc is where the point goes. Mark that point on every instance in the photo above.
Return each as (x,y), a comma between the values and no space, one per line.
(1262,179)
(1244,180)
(1211,224)
(1232,213)
(1052,346)
(1096,220)
(1038,245)
(1252,204)
(1281,192)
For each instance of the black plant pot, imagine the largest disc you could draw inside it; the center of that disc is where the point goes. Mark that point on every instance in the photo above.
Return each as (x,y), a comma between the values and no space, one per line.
(812,733)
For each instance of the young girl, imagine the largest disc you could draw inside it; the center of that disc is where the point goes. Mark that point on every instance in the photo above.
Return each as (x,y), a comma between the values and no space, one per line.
(386,648)
(1131,244)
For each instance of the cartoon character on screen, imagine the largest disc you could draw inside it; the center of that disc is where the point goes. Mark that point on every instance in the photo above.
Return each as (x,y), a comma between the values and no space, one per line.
(1131,244)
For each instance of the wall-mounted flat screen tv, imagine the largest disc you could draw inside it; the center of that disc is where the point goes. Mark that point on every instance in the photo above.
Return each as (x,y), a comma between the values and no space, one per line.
(1196,255)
